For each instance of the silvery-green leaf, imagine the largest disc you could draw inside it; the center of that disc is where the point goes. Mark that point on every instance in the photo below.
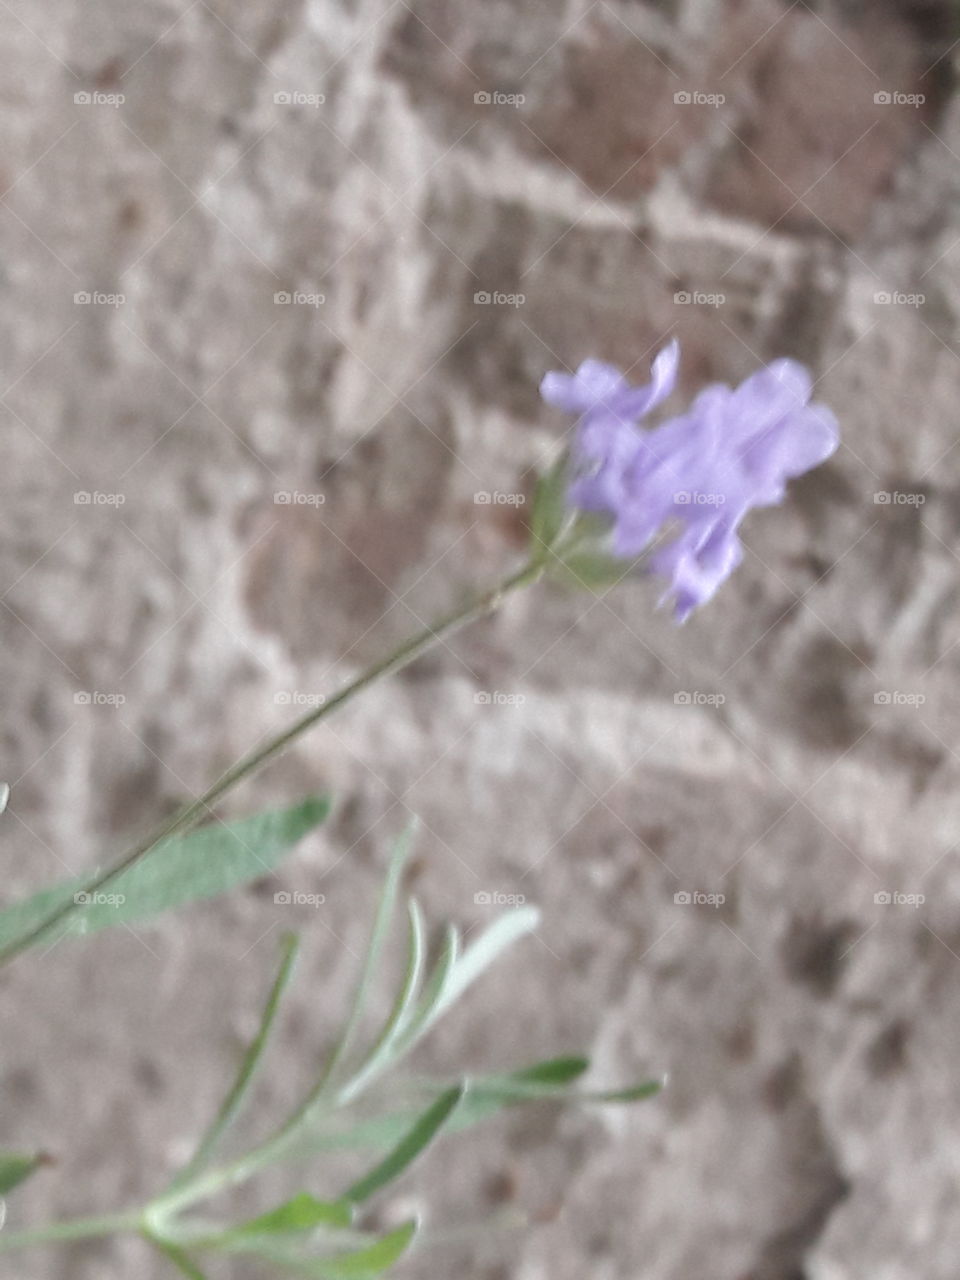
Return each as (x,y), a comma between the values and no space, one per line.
(207,862)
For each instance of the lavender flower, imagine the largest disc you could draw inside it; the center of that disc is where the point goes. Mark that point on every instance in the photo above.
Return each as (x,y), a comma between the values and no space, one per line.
(697,474)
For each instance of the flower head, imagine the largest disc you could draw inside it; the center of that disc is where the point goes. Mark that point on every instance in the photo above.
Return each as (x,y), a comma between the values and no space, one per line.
(697,475)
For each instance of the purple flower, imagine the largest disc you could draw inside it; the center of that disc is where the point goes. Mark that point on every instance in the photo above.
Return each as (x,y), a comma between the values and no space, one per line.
(697,475)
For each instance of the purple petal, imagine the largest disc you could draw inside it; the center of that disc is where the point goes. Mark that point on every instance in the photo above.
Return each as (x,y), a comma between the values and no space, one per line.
(637,402)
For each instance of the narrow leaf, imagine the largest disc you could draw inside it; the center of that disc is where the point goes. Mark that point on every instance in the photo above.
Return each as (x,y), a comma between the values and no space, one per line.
(491,944)
(207,862)
(365,1264)
(433,990)
(249,1065)
(554,1071)
(381,927)
(380,1055)
(409,1147)
(16,1168)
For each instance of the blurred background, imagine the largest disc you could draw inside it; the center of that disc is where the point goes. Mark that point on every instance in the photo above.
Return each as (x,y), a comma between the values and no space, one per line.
(279,282)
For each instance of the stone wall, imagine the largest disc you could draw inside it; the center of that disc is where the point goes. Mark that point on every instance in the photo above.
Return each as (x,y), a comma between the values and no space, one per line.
(757,178)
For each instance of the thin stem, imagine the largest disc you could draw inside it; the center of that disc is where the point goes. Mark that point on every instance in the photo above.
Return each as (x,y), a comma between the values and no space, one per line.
(180,823)
(75,1229)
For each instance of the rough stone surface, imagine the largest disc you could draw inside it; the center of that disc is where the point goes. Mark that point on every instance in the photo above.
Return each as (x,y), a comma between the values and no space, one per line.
(810,1029)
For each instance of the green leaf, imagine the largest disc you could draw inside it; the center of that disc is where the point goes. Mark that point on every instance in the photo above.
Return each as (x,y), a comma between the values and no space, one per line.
(16,1168)
(248,1067)
(303,1213)
(184,869)
(552,1072)
(550,510)
(364,1264)
(633,1093)
(410,1145)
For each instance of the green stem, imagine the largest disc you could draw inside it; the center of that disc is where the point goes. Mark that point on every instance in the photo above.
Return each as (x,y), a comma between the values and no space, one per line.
(75,1229)
(180,823)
